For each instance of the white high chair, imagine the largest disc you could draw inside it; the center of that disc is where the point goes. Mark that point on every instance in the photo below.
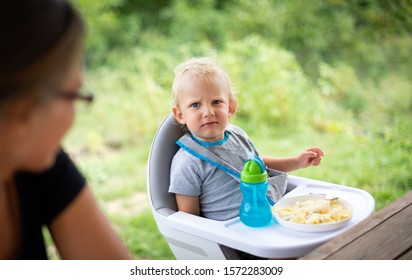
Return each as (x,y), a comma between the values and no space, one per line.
(194,237)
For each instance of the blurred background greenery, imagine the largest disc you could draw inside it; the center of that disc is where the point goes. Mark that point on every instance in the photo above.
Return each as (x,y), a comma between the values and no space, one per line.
(332,73)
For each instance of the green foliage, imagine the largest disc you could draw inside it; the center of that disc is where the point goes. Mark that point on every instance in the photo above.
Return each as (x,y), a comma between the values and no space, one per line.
(271,83)
(342,85)
(105,30)
(150,13)
(377,19)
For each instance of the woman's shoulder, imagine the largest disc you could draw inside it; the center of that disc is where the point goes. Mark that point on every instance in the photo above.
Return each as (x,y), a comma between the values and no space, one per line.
(63,166)
(53,189)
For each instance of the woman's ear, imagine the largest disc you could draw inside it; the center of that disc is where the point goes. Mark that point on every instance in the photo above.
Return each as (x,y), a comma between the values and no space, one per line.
(19,117)
(232,108)
(178,115)
(21,110)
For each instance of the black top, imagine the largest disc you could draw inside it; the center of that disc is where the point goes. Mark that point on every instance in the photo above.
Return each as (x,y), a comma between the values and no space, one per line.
(42,196)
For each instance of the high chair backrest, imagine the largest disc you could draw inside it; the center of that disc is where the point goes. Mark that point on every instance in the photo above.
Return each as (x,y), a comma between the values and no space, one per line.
(184,245)
(162,151)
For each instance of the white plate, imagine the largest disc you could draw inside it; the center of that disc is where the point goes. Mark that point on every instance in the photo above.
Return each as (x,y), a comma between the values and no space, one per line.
(310,227)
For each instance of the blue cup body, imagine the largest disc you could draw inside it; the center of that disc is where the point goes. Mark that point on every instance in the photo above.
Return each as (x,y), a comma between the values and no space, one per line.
(255,209)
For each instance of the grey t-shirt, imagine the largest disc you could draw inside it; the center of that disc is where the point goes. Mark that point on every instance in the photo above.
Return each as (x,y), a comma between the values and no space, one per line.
(219,193)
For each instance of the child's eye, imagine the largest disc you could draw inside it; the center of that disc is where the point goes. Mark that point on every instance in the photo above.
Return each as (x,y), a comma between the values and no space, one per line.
(195,105)
(216,102)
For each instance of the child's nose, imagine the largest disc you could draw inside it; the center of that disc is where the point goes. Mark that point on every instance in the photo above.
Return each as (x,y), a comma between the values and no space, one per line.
(208,111)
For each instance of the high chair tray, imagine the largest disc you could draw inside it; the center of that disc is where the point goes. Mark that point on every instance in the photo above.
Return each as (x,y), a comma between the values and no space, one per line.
(274,240)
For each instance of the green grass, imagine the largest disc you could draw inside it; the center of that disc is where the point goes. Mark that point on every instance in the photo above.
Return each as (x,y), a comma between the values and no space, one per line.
(142,237)
(123,169)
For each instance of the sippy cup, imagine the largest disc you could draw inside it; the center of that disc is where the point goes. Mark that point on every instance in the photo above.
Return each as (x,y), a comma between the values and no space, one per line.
(255,209)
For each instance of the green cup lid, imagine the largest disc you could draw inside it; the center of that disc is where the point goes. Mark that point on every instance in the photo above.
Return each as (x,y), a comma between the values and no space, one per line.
(254,172)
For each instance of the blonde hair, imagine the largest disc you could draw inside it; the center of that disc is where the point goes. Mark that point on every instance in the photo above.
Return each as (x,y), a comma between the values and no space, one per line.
(201,69)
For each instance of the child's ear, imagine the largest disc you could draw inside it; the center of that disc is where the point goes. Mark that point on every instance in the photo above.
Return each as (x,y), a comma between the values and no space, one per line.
(178,115)
(232,108)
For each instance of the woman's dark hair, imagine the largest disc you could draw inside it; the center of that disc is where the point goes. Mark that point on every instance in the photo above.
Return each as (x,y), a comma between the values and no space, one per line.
(39,40)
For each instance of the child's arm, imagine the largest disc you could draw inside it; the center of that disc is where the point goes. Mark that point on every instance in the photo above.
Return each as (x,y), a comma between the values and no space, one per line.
(311,156)
(188,204)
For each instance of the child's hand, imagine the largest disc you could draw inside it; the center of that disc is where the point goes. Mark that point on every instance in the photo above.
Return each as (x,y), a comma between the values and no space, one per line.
(311,156)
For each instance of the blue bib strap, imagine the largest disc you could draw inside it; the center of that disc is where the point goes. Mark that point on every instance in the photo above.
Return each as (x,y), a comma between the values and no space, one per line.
(234,174)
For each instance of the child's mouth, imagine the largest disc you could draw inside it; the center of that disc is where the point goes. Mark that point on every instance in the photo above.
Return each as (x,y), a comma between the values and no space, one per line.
(209,123)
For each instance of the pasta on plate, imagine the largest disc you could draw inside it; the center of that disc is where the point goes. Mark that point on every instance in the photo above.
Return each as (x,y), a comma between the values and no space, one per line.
(319,211)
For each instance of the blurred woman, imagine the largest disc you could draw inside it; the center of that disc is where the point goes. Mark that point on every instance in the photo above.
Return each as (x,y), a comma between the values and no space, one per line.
(41,44)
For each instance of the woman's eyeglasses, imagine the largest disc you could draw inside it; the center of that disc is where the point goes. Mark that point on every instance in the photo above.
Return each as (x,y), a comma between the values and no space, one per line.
(73,96)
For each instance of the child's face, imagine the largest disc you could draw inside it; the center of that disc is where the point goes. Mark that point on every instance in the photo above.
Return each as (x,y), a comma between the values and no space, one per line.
(204,107)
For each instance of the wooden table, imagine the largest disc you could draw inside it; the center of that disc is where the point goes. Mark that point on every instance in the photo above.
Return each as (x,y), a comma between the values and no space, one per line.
(386,235)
